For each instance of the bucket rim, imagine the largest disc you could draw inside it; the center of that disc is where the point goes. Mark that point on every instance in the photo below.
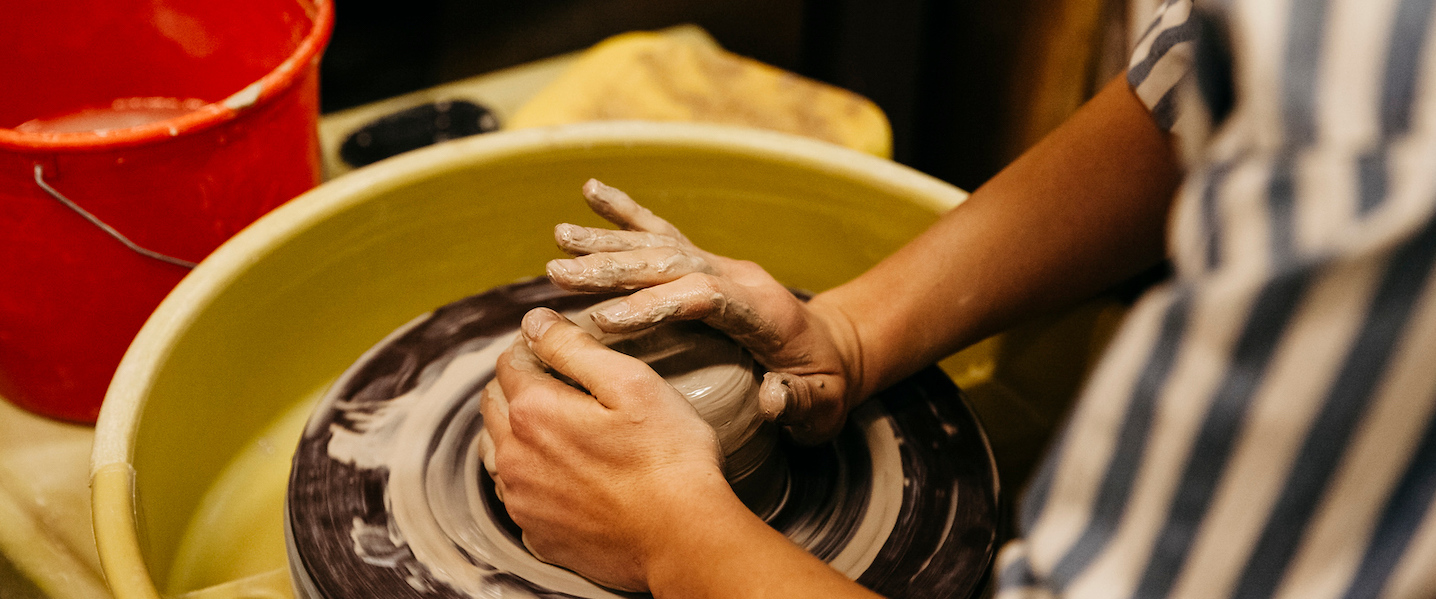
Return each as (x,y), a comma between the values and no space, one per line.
(261,92)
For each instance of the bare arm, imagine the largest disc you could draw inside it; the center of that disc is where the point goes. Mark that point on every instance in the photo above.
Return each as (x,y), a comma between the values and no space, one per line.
(1083,210)
(729,552)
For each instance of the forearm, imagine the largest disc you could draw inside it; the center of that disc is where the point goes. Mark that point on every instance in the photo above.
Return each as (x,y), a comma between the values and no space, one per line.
(1084,209)
(720,549)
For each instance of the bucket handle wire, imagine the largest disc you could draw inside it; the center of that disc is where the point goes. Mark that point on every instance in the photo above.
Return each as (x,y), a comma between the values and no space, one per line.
(40,180)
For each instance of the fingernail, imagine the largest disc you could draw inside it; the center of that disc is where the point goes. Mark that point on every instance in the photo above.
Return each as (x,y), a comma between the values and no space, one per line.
(612,314)
(537,321)
(563,266)
(572,233)
(596,190)
(600,186)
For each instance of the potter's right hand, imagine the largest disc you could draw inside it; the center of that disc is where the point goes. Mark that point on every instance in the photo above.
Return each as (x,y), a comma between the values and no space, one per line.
(810,350)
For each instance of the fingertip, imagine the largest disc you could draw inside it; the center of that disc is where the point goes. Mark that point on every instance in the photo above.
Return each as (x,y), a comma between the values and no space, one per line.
(568,234)
(491,399)
(594,189)
(516,363)
(786,398)
(614,317)
(563,269)
(538,321)
(774,396)
(499,487)
(646,308)
(596,192)
(609,202)
(495,432)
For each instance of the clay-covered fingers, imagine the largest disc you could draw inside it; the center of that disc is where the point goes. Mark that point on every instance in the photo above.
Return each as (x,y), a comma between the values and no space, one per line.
(616,207)
(629,270)
(495,408)
(578,241)
(715,300)
(613,378)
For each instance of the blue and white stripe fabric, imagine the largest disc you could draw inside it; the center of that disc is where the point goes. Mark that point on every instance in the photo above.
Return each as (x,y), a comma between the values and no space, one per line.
(1264,425)
(1163,58)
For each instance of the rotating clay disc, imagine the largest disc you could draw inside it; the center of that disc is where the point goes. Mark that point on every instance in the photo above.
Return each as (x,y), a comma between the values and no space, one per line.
(388,495)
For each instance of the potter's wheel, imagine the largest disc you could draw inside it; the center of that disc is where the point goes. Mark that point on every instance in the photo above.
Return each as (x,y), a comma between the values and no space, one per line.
(388,496)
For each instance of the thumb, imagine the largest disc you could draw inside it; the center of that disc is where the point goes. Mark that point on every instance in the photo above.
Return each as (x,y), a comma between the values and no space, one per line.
(793,401)
(616,380)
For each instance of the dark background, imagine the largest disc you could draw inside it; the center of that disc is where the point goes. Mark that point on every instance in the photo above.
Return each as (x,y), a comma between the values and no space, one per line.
(966,84)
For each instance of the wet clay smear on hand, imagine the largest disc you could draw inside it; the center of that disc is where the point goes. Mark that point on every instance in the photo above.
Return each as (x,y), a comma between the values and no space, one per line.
(721,380)
(389,494)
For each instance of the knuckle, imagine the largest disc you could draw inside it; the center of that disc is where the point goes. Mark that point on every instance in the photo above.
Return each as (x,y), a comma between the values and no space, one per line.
(508,464)
(519,508)
(745,265)
(526,418)
(606,240)
(561,348)
(595,261)
(713,303)
(669,258)
(505,361)
(709,286)
(742,270)
(705,294)
(489,400)
(632,383)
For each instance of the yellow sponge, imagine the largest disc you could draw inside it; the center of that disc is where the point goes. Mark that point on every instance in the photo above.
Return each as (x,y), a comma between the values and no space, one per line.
(665,77)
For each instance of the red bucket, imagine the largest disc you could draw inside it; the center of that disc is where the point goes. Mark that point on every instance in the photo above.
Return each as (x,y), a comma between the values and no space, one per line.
(169,125)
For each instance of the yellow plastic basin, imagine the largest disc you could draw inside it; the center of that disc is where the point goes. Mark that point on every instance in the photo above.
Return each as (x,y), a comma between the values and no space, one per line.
(193,443)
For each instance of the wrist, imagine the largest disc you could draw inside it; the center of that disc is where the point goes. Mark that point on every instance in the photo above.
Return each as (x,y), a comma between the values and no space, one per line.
(732,553)
(695,533)
(841,328)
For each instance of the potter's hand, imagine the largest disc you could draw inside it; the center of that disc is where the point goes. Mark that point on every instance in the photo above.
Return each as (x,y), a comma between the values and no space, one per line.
(599,483)
(810,350)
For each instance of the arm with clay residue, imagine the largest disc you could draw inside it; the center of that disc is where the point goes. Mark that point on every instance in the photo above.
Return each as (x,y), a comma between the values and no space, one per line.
(1084,209)
(624,485)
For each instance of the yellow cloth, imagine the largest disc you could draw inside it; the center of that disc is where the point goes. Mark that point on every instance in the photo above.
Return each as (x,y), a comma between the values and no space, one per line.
(666,77)
(45,505)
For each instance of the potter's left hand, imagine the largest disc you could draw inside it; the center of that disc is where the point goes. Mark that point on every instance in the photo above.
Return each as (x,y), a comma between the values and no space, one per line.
(599,483)
(809,349)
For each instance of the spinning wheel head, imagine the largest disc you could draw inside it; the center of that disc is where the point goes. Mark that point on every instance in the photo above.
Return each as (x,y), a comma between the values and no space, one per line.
(388,493)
